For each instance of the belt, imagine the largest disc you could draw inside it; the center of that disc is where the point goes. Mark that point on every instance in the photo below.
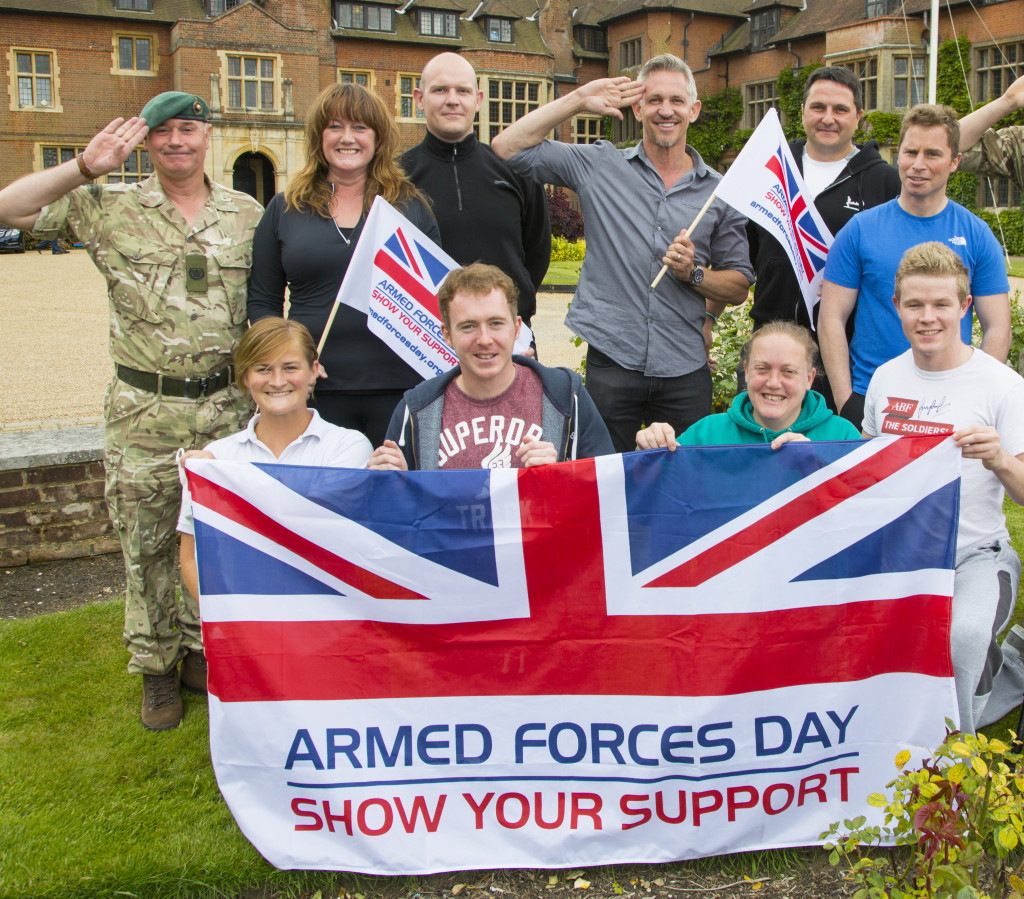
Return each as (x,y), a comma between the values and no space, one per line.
(189,388)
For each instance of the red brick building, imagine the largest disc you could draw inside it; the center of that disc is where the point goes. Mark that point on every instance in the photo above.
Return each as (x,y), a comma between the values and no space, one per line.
(71,67)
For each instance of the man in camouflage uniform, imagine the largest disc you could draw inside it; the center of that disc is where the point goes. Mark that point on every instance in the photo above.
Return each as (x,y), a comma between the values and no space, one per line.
(997,153)
(175,250)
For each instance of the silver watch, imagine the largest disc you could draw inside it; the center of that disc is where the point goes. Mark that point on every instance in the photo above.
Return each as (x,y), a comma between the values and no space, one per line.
(697,275)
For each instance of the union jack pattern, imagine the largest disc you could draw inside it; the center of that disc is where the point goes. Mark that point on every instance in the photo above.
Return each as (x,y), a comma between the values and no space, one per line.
(739,639)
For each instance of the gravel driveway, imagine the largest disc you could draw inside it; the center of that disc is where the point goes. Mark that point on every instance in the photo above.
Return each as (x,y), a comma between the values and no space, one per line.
(53,318)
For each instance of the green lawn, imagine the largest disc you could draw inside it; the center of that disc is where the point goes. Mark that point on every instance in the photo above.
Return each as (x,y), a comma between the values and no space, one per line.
(563,273)
(93,805)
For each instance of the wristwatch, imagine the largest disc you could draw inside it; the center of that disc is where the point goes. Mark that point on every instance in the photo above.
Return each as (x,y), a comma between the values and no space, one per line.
(696,275)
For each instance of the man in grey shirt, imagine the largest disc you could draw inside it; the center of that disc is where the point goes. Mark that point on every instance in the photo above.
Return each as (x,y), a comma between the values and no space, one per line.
(647,355)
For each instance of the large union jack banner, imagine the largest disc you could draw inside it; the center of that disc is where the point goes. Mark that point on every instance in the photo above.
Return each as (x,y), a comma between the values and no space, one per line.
(635,658)
(765,184)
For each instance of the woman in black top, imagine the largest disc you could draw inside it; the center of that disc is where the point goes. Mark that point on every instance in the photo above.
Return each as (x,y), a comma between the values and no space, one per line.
(307,237)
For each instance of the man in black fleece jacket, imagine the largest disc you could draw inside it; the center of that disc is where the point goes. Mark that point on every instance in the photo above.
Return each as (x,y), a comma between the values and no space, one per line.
(841,178)
(485,211)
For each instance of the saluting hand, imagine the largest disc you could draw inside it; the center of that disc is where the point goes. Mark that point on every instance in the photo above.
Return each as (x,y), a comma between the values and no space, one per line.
(108,150)
(608,96)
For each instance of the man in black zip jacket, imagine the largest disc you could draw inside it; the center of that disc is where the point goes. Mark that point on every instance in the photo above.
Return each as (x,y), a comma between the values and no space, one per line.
(485,212)
(841,178)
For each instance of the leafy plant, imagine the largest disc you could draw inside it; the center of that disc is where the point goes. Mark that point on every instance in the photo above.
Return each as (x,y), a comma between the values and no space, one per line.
(563,250)
(963,189)
(959,817)
(731,333)
(566,218)
(881,126)
(953,67)
(1008,228)
(790,85)
(711,134)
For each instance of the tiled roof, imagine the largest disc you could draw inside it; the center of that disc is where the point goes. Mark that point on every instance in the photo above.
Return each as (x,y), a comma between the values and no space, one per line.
(507,9)
(472,34)
(768,4)
(163,10)
(446,5)
(593,13)
(711,7)
(736,39)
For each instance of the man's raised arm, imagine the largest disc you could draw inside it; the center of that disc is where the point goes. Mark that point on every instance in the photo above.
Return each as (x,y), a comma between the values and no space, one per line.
(22,201)
(605,96)
(974,125)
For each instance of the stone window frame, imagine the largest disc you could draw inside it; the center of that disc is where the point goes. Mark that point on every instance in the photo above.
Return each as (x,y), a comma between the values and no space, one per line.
(758,98)
(405,83)
(1003,193)
(54,104)
(352,76)
(137,167)
(591,39)
(913,82)
(866,70)
(115,66)
(588,129)
(501,24)
(495,100)
(764,25)
(631,52)
(382,11)
(225,57)
(64,153)
(428,19)
(995,67)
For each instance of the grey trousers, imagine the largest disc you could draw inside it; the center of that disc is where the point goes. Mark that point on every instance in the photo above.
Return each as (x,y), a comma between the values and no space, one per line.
(989,678)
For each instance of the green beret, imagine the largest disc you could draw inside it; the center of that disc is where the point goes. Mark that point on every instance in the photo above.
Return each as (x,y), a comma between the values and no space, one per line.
(175,105)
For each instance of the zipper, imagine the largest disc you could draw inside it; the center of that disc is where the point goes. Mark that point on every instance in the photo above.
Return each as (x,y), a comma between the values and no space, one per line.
(455,172)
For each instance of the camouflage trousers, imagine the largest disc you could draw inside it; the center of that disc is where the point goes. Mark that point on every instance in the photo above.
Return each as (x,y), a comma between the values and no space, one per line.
(143,433)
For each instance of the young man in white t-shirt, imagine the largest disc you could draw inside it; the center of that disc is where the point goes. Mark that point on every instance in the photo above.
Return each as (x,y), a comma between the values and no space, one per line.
(493,410)
(943,385)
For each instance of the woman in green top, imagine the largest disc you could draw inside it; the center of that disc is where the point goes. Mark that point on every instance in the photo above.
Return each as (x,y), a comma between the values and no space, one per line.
(778,405)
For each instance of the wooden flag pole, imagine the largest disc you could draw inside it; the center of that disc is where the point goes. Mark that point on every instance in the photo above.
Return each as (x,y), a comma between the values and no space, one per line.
(327,329)
(689,231)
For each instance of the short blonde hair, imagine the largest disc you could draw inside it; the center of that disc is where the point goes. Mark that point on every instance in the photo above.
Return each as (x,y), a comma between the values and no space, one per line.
(934,260)
(268,339)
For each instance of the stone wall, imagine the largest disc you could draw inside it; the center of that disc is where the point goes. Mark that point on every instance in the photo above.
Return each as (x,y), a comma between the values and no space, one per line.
(51,496)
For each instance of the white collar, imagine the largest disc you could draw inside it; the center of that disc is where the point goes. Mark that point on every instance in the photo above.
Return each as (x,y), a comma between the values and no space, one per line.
(316,429)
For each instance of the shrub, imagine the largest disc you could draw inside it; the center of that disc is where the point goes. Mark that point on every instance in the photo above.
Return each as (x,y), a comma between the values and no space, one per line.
(731,332)
(711,135)
(790,86)
(1008,229)
(566,219)
(959,815)
(963,189)
(563,250)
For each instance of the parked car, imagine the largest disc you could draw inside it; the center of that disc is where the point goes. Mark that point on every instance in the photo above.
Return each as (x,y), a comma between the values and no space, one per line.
(11,240)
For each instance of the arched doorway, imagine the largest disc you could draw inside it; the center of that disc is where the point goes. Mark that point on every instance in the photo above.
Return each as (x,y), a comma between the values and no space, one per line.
(254,174)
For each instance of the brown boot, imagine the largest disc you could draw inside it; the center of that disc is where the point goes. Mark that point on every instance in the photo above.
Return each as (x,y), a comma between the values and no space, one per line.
(193,671)
(161,701)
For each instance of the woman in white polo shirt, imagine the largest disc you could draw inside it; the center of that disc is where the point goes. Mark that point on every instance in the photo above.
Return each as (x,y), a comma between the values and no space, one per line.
(276,361)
